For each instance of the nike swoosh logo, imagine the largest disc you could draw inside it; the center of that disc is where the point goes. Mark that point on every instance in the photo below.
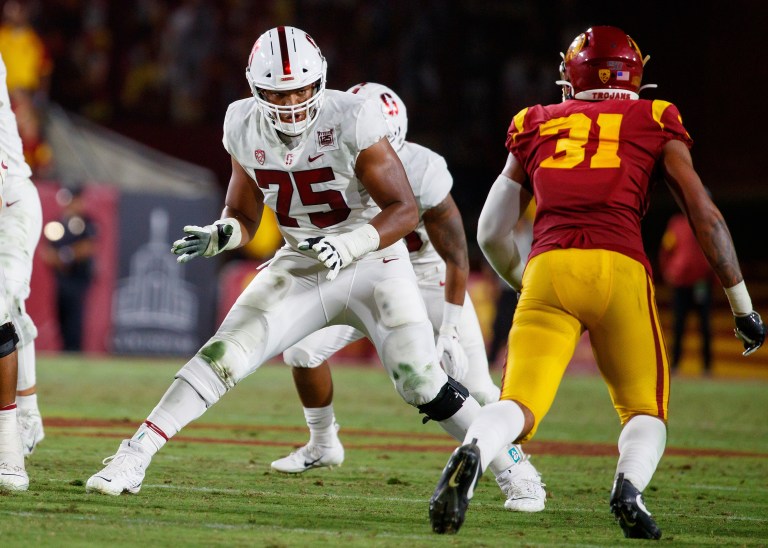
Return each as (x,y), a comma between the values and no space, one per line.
(105,479)
(310,464)
(313,158)
(9,204)
(452,480)
(389,259)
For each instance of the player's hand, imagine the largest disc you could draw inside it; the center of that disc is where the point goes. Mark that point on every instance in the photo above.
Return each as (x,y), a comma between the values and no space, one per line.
(751,330)
(452,356)
(203,241)
(330,251)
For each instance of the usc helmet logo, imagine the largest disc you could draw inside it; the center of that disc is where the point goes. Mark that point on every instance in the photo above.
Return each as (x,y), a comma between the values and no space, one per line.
(604,75)
(575,47)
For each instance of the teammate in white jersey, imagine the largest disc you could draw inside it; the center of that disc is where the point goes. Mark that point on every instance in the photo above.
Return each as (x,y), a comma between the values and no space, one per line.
(438,252)
(13,475)
(20,227)
(321,160)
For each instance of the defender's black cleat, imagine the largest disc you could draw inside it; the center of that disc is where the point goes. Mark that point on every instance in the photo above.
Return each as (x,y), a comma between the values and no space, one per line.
(630,511)
(455,489)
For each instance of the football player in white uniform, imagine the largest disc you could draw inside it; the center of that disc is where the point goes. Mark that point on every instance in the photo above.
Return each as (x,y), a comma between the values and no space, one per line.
(13,476)
(322,161)
(20,227)
(438,252)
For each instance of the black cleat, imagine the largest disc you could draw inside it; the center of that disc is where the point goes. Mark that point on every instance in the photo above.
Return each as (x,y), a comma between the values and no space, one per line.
(630,511)
(455,489)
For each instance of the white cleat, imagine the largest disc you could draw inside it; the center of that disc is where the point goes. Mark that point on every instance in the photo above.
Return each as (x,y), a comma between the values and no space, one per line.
(310,456)
(13,477)
(522,486)
(30,430)
(123,473)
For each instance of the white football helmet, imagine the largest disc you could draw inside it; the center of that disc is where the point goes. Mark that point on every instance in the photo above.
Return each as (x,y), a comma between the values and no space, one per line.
(284,59)
(392,107)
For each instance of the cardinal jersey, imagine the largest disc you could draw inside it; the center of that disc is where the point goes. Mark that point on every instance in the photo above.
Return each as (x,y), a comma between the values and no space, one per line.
(431,182)
(589,166)
(312,188)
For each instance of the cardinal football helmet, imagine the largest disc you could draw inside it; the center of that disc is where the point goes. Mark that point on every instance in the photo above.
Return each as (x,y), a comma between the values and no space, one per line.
(602,63)
(284,59)
(391,105)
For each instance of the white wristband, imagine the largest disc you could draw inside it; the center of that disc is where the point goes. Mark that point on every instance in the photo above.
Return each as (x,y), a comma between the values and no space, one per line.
(452,313)
(361,240)
(738,297)
(235,237)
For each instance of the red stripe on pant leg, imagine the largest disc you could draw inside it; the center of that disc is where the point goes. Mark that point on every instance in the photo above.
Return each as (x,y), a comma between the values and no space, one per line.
(156,429)
(655,329)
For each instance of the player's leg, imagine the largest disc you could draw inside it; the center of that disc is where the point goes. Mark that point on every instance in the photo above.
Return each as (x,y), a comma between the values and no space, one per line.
(13,475)
(314,384)
(638,382)
(541,343)
(261,324)
(20,228)
(517,478)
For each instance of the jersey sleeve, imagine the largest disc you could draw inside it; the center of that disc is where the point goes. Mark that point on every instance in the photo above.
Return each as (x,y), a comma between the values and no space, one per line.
(371,126)
(668,117)
(225,139)
(437,183)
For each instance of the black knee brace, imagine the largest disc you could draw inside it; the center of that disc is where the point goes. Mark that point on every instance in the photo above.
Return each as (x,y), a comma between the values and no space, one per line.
(448,401)
(8,339)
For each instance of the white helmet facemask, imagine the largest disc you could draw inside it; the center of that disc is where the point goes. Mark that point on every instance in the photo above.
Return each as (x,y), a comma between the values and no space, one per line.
(286,59)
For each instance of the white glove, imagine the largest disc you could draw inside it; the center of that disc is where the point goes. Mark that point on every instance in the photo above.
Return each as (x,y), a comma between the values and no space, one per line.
(207,241)
(450,352)
(337,252)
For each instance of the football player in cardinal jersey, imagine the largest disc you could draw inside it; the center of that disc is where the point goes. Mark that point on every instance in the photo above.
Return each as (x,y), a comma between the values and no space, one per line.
(587,161)
(21,224)
(438,252)
(321,160)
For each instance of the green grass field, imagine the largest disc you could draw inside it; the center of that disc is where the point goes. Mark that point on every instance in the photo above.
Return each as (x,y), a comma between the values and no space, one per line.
(212,484)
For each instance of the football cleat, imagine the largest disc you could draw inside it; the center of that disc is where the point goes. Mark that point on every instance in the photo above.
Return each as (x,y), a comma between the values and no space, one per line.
(449,502)
(13,477)
(522,486)
(310,456)
(123,473)
(30,429)
(630,511)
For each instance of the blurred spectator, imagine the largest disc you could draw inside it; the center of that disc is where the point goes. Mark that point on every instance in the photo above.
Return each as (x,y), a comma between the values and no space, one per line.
(68,249)
(686,270)
(37,152)
(26,58)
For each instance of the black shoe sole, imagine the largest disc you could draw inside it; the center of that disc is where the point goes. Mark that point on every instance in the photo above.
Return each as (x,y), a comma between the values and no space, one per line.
(448,505)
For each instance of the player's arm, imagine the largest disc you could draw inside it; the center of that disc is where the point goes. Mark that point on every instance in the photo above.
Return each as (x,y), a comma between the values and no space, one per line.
(714,239)
(243,207)
(446,232)
(382,174)
(505,203)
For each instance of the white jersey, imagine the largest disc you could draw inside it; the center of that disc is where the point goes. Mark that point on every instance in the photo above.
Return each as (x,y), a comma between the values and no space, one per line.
(10,141)
(431,182)
(312,188)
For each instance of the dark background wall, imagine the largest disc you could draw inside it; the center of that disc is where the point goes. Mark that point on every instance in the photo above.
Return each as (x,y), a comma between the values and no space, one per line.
(463,69)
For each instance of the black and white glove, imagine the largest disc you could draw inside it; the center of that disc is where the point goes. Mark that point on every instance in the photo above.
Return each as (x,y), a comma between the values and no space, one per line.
(751,330)
(449,350)
(207,241)
(337,252)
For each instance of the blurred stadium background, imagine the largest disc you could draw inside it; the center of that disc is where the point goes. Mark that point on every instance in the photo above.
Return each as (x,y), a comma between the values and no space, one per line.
(126,99)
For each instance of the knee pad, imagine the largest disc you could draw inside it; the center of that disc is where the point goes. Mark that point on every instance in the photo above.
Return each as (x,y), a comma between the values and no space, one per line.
(8,339)
(408,354)
(399,302)
(448,401)
(203,379)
